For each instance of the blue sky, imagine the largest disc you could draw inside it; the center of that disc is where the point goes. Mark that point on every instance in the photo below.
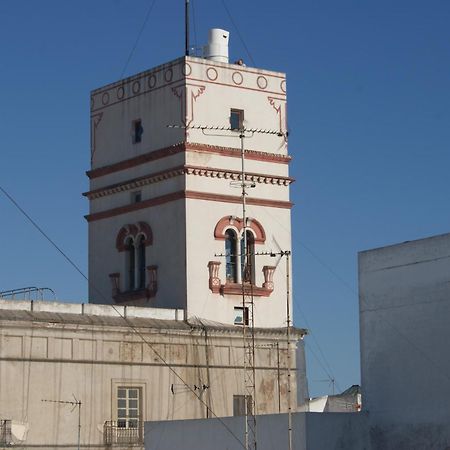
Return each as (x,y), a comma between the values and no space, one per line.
(369,111)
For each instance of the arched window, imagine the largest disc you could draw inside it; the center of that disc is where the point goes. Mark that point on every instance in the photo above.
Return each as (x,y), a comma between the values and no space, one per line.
(231,255)
(248,258)
(131,264)
(141,261)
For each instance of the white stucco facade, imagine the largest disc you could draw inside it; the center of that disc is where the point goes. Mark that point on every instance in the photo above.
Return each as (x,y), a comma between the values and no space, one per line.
(404,319)
(184,177)
(51,352)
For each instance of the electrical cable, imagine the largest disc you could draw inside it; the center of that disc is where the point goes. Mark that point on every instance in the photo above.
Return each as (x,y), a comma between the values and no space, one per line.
(238,33)
(152,4)
(130,325)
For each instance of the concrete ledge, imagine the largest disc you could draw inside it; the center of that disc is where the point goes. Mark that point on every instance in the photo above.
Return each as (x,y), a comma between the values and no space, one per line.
(92,309)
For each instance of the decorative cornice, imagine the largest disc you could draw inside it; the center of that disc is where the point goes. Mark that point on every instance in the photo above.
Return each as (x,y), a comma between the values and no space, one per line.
(187,147)
(187,170)
(184,195)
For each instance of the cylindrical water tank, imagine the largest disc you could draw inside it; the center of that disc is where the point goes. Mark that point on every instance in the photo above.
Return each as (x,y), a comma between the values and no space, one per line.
(217,48)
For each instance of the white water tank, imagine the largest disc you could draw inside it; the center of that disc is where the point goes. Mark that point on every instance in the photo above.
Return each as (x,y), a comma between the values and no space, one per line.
(217,48)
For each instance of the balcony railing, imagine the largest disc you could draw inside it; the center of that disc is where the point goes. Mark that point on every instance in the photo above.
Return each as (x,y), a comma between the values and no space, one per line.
(115,434)
(5,433)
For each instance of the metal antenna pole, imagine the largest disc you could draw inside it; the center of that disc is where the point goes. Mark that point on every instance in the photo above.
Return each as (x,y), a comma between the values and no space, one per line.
(288,337)
(186,18)
(248,333)
(75,403)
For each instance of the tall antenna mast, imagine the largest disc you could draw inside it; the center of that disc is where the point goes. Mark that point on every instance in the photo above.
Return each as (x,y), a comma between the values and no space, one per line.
(248,322)
(186,30)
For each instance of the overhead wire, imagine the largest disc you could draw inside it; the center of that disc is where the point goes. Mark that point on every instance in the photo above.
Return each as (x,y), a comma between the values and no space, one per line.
(129,324)
(136,42)
(238,32)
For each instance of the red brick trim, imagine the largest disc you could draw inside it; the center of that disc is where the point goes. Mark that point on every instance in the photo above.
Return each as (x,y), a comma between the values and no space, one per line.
(190,170)
(237,199)
(187,147)
(238,223)
(133,230)
(183,195)
(236,289)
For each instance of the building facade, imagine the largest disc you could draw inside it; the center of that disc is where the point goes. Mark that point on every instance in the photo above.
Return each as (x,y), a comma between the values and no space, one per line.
(126,365)
(166,220)
(404,292)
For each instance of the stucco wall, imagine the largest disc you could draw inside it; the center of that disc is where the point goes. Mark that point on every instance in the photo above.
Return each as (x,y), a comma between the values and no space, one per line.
(404,317)
(51,351)
(311,431)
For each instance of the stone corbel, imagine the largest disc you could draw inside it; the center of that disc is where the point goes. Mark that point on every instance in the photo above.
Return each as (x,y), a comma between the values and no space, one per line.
(228,288)
(152,286)
(115,283)
(214,280)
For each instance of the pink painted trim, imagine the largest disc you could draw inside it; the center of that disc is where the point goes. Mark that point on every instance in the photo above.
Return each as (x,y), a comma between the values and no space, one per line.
(185,195)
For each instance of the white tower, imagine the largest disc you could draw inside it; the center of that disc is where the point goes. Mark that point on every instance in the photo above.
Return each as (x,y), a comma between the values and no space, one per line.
(162,201)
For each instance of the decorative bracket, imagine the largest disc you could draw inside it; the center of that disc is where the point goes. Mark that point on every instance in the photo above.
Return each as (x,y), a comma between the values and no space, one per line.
(217,287)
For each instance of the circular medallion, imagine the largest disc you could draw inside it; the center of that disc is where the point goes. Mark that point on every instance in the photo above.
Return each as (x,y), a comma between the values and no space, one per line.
(283,85)
(237,78)
(186,70)
(151,81)
(261,82)
(105,98)
(168,75)
(211,73)
(120,93)
(136,87)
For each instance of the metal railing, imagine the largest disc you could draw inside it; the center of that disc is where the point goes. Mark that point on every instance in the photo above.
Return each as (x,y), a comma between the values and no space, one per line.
(115,434)
(5,433)
(27,293)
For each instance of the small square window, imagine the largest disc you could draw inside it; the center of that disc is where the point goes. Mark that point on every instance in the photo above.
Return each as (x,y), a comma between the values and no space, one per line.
(236,119)
(137,131)
(239,403)
(240,315)
(136,197)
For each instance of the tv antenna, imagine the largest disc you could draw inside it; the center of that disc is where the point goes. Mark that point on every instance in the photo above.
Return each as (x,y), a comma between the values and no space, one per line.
(76,404)
(248,322)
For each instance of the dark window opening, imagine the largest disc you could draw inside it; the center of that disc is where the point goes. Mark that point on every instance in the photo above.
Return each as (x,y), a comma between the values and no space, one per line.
(141,262)
(248,258)
(231,256)
(240,402)
(131,264)
(240,315)
(136,197)
(236,119)
(138,131)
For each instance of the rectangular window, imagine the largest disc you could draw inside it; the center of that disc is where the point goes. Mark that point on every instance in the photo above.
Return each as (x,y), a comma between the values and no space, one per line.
(239,402)
(137,131)
(240,315)
(129,407)
(236,119)
(136,197)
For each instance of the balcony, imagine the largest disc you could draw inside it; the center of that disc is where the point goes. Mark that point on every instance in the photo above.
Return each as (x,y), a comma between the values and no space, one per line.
(5,433)
(114,434)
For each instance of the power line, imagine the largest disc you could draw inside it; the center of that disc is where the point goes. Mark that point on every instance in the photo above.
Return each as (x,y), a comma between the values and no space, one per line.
(238,33)
(131,326)
(130,55)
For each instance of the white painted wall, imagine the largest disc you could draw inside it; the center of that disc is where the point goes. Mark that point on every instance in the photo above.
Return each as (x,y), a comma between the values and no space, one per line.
(190,91)
(404,317)
(311,431)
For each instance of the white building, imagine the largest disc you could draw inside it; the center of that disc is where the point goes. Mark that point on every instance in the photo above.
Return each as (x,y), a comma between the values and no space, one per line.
(404,318)
(165,201)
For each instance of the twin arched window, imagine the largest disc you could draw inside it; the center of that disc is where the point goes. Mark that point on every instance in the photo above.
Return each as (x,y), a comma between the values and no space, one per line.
(133,239)
(240,261)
